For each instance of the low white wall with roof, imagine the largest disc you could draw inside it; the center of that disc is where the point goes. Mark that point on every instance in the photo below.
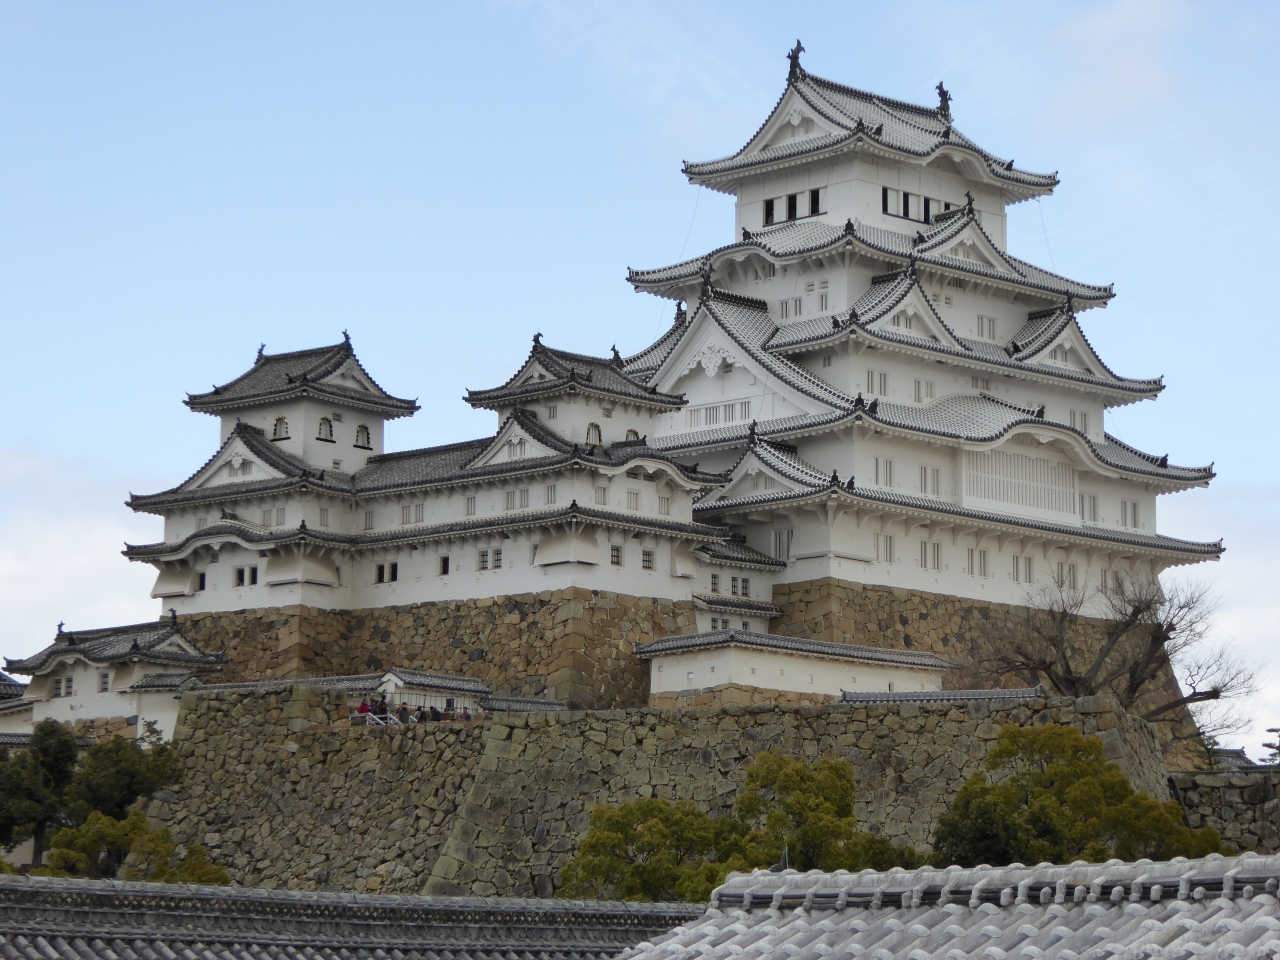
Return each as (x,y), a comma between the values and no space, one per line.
(778,670)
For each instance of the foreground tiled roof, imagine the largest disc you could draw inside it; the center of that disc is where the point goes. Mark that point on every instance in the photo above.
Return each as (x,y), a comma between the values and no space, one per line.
(743,606)
(943,696)
(1178,910)
(55,919)
(20,741)
(280,376)
(879,122)
(770,641)
(735,551)
(144,641)
(10,688)
(356,683)
(501,704)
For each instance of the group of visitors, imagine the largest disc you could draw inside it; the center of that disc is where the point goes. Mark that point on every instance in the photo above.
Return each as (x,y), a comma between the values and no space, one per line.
(380,710)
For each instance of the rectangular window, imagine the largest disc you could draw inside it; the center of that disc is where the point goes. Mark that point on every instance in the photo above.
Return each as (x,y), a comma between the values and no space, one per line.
(607,412)
(1017,569)
(746,586)
(1102,582)
(104,682)
(553,411)
(633,500)
(782,544)
(826,360)
(267,517)
(511,500)
(324,516)
(279,516)
(768,212)
(57,688)
(884,547)
(1028,569)
(393,572)
(368,519)
(406,514)
(815,202)
(380,573)
(715,583)
(253,576)
(646,559)
(533,554)
(877,382)
(981,383)
(497,559)
(935,554)
(987,328)
(733,586)
(615,555)
(524,498)
(1080,420)
(551,494)
(923,391)
(793,205)
(202,522)
(471,506)
(444,566)
(602,496)
(484,559)
(884,472)
(1129,514)
(418,510)
(924,554)
(1089,508)
(200,582)
(664,506)
(240,577)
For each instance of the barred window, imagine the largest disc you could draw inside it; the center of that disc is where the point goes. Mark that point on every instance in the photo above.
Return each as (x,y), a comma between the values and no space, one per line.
(646,559)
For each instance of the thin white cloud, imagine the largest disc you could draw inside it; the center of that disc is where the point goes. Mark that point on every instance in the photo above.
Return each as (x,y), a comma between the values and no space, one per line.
(1119,58)
(60,541)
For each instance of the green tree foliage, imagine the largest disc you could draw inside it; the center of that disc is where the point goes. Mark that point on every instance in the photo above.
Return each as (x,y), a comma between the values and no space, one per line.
(654,849)
(1049,794)
(50,785)
(100,846)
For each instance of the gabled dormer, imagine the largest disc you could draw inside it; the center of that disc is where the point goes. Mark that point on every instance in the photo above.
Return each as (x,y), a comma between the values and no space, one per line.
(319,405)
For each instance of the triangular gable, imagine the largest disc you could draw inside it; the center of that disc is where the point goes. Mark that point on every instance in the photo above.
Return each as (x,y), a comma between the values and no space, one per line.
(1071,351)
(792,120)
(514,441)
(972,244)
(763,472)
(913,315)
(352,376)
(228,466)
(709,348)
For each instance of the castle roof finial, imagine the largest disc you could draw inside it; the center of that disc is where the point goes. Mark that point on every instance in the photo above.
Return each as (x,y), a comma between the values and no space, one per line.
(794,56)
(346,338)
(617,357)
(173,616)
(537,339)
(261,349)
(968,203)
(944,100)
(61,624)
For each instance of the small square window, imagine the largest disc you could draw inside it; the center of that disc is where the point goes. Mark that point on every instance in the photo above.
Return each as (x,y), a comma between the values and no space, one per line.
(633,499)
(746,625)
(484,559)
(444,566)
(552,411)
(664,506)
(646,559)
(279,516)
(615,554)
(104,682)
(602,496)
(406,514)
(497,559)
(524,498)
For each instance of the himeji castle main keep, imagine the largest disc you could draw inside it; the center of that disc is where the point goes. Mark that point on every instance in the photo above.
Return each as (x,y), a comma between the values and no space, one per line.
(867,420)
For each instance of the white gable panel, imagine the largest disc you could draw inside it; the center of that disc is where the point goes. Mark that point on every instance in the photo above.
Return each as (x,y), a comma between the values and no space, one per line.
(235,464)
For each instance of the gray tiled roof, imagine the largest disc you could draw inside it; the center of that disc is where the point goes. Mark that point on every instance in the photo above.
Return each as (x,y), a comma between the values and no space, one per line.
(10,688)
(875,496)
(572,372)
(501,704)
(743,606)
(641,364)
(901,127)
(770,641)
(167,681)
(57,919)
(801,238)
(943,696)
(112,644)
(1217,907)
(21,741)
(260,537)
(357,683)
(278,376)
(407,470)
(735,551)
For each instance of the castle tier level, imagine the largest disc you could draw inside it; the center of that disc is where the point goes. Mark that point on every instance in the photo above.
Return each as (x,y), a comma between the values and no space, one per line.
(863,395)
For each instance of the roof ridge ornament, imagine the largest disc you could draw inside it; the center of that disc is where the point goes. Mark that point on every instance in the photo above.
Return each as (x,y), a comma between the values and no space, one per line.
(617,357)
(746,235)
(944,101)
(262,347)
(346,338)
(796,71)
(173,617)
(968,201)
(61,624)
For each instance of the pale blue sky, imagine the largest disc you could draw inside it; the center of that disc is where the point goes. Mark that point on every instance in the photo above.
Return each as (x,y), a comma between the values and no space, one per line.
(179,183)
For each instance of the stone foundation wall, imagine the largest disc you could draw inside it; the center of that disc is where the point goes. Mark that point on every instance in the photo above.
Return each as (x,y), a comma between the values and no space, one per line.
(104,728)
(1242,805)
(736,693)
(285,792)
(573,645)
(842,611)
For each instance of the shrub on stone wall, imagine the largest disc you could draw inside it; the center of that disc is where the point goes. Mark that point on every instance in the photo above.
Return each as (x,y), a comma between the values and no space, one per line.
(1049,794)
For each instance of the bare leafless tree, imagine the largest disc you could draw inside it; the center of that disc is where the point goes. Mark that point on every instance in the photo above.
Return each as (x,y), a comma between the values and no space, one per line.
(1142,642)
